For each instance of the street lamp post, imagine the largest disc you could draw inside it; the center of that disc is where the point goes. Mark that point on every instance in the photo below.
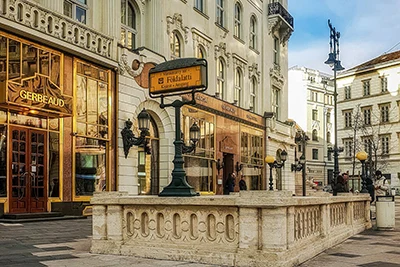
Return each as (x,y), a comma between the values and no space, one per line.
(362,156)
(334,62)
(270,160)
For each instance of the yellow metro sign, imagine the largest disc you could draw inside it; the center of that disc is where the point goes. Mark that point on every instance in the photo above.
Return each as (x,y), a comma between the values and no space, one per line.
(177,77)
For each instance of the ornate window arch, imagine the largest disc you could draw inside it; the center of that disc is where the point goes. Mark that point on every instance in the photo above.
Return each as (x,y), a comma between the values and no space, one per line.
(175,45)
(200,52)
(237,96)
(129,23)
(221,74)
(315,135)
(253,32)
(238,20)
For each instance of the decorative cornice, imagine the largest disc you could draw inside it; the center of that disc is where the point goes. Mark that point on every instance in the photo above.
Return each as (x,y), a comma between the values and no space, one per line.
(176,23)
(201,38)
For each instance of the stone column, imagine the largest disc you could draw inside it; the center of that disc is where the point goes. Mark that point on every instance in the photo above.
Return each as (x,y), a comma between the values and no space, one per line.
(325,220)
(249,219)
(114,222)
(274,227)
(99,225)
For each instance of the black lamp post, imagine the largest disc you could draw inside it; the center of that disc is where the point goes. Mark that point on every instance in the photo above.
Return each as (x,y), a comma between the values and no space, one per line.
(334,62)
(300,165)
(362,156)
(270,160)
(128,137)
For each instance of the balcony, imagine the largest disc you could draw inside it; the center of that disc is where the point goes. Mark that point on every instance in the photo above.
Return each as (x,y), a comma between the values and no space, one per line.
(280,21)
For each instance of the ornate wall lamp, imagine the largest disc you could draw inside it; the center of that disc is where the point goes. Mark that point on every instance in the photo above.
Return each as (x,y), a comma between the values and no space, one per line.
(128,137)
(362,157)
(220,165)
(238,167)
(270,160)
(194,135)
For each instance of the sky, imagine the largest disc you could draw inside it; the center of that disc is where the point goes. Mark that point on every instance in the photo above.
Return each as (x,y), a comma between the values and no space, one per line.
(368,29)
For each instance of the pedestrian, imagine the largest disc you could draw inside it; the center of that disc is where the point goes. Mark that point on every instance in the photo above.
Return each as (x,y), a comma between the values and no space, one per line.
(230,184)
(370,188)
(381,185)
(339,186)
(345,176)
(242,183)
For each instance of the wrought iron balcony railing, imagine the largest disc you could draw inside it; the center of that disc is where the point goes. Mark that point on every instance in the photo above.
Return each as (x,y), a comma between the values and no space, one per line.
(277,9)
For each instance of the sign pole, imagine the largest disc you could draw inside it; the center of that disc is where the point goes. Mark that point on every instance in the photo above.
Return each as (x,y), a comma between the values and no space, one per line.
(178,186)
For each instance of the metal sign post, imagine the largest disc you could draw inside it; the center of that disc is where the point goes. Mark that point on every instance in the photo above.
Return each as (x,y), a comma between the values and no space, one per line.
(178,77)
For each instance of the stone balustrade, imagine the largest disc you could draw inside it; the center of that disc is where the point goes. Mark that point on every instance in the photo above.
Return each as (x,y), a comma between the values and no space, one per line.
(250,228)
(34,16)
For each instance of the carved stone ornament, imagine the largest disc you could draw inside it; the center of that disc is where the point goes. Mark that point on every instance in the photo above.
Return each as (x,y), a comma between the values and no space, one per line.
(220,51)
(253,71)
(124,66)
(277,78)
(176,23)
(201,39)
(275,25)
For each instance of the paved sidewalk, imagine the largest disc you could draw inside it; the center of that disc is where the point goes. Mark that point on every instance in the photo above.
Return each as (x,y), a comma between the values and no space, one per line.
(67,243)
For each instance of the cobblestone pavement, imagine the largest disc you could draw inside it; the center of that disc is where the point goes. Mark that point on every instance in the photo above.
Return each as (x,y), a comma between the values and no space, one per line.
(67,243)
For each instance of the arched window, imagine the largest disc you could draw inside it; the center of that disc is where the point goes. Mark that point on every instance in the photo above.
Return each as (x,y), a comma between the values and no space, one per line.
(220,78)
(253,94)
(200,52)
(315,135)
(175,45)
(128,24)
(238,20)
(238,87)
(253,32)
(328,137)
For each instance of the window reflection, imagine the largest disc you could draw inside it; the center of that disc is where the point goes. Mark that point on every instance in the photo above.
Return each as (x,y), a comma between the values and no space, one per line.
(199,173)
(251,144)
(90,162)
(54,165)
(3,161)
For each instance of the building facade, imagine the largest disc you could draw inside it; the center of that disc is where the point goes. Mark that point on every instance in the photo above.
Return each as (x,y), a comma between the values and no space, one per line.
(74,71)
(368,117)
(311,107)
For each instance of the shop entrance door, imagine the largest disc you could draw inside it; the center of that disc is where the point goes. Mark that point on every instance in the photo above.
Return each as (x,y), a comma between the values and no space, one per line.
(28,170)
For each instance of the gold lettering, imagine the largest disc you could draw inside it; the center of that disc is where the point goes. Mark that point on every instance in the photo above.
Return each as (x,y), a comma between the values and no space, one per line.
(41,98)
(22,94)
(34,97)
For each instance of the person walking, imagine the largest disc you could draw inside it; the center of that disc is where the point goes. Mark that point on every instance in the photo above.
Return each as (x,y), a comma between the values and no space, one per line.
(370,188)
(242,183)
(381,185)
(339,187)
(230,184)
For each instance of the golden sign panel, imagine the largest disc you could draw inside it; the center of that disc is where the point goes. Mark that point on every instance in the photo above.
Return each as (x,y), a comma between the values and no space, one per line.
(172,80)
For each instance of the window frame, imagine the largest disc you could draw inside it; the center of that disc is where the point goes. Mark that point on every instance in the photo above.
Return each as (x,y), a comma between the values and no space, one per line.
(276,101)
(253,32)
(237,96)
(74,5)
(384,84)
(127,29)
(220,13)
(220,77)
(348,120)
(199,5)
(385,144)
(384,113)
(347,92)
(276,51)
(253,93)
(238,21)
(175,45)
(367,111)
(366,87)
(315,153)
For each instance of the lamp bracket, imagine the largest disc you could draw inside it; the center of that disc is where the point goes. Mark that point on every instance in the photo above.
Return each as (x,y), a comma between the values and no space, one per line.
(129,139)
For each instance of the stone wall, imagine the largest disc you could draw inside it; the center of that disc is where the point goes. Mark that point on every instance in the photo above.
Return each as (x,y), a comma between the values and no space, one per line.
(251,228)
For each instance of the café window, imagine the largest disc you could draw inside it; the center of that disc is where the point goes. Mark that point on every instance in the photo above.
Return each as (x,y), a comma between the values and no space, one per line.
(3,160)
(251,155)
(199,164)
(92,129)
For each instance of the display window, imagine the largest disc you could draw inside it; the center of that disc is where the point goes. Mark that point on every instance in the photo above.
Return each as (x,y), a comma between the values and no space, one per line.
(92,109)
(251,155)
(200,164)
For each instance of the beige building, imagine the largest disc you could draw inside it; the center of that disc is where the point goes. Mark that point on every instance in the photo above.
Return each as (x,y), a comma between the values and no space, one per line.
(368,117)
(73,72)
(311,107)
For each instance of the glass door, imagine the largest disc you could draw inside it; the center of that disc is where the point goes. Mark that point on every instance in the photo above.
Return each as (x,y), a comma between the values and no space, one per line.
(28,171)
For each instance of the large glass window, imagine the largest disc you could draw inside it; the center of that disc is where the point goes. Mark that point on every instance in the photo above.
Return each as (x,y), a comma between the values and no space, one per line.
(251,155)
(253,94)
(199,164)
(128,24)
(3,160)
(199,5)
(92,118)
